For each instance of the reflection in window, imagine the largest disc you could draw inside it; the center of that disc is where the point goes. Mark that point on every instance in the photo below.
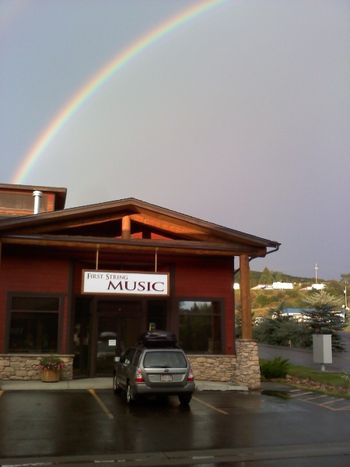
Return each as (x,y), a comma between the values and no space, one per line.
(200,326)
(34,329)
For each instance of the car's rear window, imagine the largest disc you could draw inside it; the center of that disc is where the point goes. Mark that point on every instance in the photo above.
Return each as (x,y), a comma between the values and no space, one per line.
(164,359)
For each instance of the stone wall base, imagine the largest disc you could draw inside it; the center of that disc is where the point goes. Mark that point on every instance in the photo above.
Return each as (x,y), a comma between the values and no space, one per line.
(242,368)
(213,367)
(26,367)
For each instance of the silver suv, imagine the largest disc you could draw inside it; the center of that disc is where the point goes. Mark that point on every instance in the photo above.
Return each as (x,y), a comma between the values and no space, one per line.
(145,371)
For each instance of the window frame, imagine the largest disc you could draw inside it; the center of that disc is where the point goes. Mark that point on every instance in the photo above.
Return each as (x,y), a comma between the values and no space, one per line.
(58,312)
(221,313)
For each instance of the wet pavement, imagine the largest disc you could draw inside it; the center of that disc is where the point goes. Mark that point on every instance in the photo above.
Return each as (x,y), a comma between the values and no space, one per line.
(233,428)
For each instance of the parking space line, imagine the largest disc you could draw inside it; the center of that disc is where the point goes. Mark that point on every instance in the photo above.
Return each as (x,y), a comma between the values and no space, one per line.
(210,406)
(101,403)
(325,404)
(346,407)
(332,401)
(300,394)
(335,409)
(319,396)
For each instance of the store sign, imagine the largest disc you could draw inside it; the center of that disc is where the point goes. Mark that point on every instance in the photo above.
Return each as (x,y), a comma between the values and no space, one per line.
(125,283)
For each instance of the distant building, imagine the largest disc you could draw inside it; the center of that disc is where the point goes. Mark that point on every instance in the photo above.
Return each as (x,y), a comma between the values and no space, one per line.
(282,285)
(315,287)
(305,314)
(318,286)
(274,286)
(299,314)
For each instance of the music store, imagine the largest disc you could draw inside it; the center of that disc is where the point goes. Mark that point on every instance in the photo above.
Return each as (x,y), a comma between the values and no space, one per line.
(81,282)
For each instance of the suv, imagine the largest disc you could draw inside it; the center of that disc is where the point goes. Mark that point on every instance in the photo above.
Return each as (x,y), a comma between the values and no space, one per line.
(153,371)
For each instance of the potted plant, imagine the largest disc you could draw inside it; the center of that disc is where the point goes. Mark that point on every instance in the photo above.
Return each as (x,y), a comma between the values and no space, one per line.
(51,366)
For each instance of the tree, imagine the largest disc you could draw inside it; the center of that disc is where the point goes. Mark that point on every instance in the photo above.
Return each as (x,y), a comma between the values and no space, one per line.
(266,277)
(283,330)
(323,316)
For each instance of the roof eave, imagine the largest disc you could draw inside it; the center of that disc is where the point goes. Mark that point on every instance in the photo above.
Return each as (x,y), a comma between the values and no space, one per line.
(178,246)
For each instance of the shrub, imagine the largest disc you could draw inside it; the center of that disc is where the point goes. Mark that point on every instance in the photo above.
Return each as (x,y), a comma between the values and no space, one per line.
(276,368)
(51,362)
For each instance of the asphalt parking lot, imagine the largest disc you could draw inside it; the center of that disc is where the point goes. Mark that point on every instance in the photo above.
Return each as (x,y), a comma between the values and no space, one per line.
(87,427)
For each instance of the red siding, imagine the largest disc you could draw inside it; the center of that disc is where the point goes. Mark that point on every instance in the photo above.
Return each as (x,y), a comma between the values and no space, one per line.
(32,275)
(194,277)
(204,277)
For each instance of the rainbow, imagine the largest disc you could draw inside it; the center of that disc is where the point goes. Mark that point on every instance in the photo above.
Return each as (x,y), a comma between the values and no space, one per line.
(100,78)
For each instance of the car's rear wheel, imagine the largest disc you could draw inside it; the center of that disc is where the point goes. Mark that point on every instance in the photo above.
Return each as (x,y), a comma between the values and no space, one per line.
(185,398)
(129,394)
(116,387)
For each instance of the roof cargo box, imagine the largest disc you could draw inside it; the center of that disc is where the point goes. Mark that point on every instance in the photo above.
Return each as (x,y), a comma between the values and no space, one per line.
(158,339)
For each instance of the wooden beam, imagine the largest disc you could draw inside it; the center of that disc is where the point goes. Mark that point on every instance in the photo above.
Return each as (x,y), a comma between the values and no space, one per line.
(245,298)
(174,227)
(126,228)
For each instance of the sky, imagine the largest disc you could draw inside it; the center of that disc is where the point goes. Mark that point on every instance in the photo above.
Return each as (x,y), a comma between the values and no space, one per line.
(238,113)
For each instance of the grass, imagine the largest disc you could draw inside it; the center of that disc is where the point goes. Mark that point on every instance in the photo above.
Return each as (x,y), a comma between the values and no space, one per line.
(335,384)
(335,379)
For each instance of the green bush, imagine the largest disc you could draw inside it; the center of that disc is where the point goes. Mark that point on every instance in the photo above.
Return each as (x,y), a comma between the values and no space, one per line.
(276,368)
(283,331)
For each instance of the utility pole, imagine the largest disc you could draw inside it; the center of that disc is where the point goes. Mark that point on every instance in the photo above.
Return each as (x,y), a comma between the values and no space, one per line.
(345,298)
(316,269)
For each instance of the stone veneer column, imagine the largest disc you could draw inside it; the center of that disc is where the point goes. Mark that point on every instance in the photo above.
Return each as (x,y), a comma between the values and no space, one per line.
(247,366)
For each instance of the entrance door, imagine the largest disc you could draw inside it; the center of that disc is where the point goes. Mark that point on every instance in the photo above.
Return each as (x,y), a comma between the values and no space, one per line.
(119,324)
(81,337)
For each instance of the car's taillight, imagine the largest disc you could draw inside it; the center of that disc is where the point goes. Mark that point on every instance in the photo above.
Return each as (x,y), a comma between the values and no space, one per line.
(190,376)
(139,377)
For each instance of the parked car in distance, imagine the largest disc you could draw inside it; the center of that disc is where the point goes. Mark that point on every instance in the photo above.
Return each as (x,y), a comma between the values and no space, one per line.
(143,370)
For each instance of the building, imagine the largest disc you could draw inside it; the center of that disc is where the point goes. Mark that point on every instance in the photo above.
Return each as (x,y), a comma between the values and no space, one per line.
(85,281)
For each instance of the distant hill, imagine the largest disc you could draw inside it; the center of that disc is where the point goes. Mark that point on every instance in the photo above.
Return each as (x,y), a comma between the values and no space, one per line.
(268,277)
(263,300)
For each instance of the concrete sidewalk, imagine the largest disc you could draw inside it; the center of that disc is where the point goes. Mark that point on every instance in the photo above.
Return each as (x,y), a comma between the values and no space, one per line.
(103,383)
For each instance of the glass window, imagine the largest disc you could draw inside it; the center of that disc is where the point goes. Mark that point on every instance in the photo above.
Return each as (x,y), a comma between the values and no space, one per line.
(164,359)
(200,326)
(34,329)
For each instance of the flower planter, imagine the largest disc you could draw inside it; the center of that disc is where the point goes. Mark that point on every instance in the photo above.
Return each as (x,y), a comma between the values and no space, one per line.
(49,375)
(51,366)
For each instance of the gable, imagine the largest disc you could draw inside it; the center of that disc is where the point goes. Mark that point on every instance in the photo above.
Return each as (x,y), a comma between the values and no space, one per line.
(132,221)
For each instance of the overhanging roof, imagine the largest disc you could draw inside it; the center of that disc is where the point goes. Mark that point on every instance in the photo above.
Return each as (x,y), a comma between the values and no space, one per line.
(73,227)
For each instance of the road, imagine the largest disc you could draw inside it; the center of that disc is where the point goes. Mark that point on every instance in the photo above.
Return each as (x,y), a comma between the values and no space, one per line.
(341,360)
(84,428)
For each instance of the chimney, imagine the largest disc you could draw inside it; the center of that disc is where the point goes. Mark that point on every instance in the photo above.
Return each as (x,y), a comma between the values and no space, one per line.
(37,201)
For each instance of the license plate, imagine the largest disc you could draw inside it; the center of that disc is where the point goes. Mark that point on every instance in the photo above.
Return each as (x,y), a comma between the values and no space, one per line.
(166,378)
